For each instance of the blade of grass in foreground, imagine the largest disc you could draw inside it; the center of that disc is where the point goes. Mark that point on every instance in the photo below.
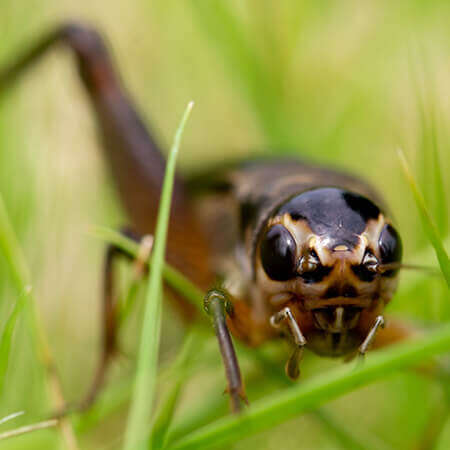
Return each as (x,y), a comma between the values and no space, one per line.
(430,227)
(12,251)
(7,335)
(10,247)
(441,210)
(433,186)
(279,408)
(166,411)
(144,387)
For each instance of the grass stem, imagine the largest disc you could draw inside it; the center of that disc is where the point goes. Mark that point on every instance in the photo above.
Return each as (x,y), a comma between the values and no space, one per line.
(12,251)
(137,431)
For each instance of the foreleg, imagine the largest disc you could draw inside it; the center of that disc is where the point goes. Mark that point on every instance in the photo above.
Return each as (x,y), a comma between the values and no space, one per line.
(218,306)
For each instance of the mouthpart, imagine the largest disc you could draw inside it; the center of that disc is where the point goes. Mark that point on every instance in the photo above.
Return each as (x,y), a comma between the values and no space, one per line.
(336,319)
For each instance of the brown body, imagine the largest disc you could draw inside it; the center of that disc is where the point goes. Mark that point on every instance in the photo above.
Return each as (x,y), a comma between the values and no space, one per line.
(234,206)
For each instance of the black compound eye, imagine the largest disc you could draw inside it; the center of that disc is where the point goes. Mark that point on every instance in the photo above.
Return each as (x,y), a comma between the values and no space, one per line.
(390,246)
(278,249)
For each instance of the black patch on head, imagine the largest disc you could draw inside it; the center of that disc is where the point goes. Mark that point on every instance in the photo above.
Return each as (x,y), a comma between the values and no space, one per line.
(390,248)
(339,214)
(364,207)
(278,250)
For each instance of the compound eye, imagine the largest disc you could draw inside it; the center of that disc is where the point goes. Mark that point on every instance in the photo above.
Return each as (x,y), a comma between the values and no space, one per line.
(278,249)
(390,246)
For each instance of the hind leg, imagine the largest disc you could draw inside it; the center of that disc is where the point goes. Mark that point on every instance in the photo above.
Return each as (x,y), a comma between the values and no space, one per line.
(110,309)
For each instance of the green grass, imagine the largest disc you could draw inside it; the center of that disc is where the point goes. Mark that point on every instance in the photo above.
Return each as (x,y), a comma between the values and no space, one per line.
(428,223)
(12,252)
(180,373)
(144,390)
(328,81)
(6,337)
(13,255)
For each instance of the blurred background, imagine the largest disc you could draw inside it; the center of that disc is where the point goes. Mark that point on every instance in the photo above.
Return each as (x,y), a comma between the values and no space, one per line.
(341,82)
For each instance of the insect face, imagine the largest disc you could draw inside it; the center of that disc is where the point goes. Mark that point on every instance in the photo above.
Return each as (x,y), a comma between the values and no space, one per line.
(326,250)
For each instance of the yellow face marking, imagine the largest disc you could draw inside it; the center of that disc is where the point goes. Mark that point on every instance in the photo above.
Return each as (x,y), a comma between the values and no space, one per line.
(372,232)
(340,248)
(364,240)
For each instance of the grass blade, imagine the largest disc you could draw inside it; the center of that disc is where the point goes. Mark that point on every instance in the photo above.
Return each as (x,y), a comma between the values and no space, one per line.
(12,251)
(11,417)
(7,335)
(290,403)
(145,382)
(180,371)
(430,227)
(433,185)
(29,429)
(441,210)
(10,247)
